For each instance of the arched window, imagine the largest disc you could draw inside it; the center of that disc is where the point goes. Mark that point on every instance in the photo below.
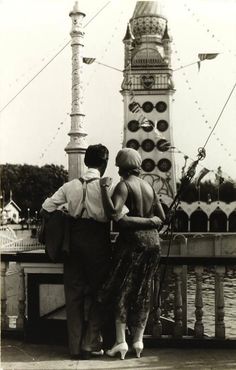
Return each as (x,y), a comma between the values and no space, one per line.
(181,221)
(218,221)
(198,221)
(232,222)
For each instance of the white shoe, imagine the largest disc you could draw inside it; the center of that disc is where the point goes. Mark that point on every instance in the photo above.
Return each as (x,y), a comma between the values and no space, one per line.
(138,347)
(97,353)
(120,347)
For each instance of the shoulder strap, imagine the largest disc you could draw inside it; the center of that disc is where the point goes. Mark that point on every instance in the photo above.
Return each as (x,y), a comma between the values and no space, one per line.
(84,185)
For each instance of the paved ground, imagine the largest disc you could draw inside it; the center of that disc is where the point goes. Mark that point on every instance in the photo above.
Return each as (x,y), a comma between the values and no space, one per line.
(17,355)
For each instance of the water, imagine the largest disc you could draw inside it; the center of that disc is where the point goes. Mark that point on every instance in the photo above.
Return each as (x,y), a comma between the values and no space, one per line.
(168,298)
(208,293)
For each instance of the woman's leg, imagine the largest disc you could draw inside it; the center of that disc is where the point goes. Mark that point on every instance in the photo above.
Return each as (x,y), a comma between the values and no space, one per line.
(120,331)
(120,346)
(138,324)
(138,332)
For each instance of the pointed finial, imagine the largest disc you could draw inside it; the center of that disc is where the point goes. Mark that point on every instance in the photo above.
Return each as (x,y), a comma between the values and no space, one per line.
(166,35)
(128,35)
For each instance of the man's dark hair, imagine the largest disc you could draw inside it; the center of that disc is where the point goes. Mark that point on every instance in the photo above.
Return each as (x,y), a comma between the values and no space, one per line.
(96,155)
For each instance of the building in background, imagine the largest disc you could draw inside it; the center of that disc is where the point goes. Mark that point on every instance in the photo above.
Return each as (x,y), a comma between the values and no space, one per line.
(11,213)
(147,91)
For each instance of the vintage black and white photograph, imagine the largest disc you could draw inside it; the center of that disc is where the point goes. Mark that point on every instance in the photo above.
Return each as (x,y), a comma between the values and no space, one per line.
(118,184)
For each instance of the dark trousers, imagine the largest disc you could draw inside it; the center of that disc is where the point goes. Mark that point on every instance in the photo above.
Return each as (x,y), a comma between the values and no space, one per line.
(85,269)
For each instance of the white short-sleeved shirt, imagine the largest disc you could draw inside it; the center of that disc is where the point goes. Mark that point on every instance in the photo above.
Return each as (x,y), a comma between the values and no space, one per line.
(71,194)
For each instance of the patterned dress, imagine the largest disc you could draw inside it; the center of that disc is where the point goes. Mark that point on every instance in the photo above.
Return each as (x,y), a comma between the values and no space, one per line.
(135,261)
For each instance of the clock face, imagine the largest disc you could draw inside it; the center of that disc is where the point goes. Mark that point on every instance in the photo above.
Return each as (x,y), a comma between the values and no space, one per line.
(148,165)
(147,106)
(133,126)
(161,106)
(163,145)
(148,145)
(134,144)
(164,165)
(162,125)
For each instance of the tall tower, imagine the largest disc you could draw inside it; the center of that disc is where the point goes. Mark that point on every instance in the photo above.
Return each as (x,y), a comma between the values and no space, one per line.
(77,144)
(147,91)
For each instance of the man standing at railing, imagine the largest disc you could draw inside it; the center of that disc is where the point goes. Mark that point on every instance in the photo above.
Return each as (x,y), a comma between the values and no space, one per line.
(89,259)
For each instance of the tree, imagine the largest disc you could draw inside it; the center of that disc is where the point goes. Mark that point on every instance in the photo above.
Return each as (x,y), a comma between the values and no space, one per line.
(31,185)
(227,192)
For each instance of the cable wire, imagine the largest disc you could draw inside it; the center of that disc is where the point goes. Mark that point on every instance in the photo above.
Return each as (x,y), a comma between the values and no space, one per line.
(106,65)
(20,91)
(11,100)
(97,14)
(222,110)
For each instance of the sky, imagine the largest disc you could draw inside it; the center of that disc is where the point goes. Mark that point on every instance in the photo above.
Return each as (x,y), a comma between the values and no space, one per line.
(34,126)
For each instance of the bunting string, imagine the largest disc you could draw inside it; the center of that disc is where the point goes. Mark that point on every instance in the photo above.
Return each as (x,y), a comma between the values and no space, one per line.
(50,61)
(35,66)
(207,29)
(200,110)
(105,51)
(59,128)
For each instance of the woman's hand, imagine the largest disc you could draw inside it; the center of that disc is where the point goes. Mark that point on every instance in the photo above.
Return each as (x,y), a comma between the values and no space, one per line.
(105,182)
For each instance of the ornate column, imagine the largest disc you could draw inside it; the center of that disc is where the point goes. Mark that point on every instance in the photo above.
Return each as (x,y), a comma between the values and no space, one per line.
(219,302)
(178,309)
(21,298)
(77,144)
(4,318)
(198,326)
(157,325)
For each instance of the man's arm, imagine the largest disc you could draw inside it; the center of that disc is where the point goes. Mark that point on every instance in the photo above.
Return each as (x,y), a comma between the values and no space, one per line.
(136,223)
(57,199)
(113,205)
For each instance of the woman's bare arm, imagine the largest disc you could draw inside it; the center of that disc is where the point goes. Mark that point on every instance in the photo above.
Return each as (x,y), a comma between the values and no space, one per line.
(113,207)
(158,209)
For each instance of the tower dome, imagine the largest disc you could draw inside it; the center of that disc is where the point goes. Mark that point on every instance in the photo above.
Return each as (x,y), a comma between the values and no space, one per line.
(148,19)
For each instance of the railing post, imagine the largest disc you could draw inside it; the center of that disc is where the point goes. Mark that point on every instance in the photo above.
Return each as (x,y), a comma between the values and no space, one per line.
(198,327)
(178,328)
(4,318)
(157,325)
(219,302)
(21,299)
(184,252)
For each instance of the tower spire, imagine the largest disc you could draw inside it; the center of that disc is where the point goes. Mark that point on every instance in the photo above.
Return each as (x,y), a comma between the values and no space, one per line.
(77,144)
(147,90)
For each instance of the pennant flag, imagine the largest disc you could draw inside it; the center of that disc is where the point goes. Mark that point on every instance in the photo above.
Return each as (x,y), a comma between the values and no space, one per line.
(207,56)
(200,176)
(204,57)
(198,65)
(218,177)
(88,60)
(184,166)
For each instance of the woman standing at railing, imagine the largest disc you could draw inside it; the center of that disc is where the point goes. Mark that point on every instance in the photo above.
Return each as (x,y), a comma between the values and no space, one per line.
(137,252)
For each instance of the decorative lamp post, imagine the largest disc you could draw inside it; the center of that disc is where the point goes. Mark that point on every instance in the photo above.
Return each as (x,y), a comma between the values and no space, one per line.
(77,144)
